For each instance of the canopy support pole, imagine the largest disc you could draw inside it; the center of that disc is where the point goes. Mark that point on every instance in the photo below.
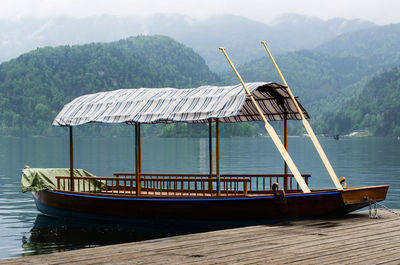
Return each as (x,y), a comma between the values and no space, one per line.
(137,158)
(210,184)
(140,152)
(285,142)
(310,131)
(271,131)
(217,157)
(71,160)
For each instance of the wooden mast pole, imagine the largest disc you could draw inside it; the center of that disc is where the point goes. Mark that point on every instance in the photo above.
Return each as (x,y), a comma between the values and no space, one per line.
(71,160)
(306,124)
(217,158)
(271,132)
(210,184)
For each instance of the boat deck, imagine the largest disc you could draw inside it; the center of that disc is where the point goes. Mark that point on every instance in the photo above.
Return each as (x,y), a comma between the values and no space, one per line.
(356,239)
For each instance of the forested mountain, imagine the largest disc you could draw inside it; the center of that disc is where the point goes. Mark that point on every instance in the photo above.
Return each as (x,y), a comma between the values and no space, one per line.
(35,86)
(375,108)
(379,46)
(289,32)
(242,36)
(317,78)
(329,75)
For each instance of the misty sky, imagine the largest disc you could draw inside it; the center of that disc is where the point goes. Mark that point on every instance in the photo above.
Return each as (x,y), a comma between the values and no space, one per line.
(378,11)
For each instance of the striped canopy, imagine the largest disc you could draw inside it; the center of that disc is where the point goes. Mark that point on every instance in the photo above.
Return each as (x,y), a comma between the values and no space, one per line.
(153,105)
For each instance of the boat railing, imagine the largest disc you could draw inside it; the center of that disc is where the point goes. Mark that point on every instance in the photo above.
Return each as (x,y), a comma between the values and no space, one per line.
(181,184)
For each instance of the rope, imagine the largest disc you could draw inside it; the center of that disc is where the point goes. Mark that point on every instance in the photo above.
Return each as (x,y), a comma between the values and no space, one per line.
(374,214)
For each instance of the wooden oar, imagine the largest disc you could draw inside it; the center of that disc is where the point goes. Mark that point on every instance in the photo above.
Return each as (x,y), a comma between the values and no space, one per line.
(271,132)
(306,124)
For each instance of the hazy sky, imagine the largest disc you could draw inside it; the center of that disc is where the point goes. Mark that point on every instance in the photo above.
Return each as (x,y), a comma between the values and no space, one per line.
(378,11)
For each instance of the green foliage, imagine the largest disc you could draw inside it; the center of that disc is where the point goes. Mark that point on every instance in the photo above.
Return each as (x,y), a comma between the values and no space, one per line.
(237,129)
(320,80)
(332,81)
(327,78)
(35,86)
(378,46)
(375,108)
(244,129)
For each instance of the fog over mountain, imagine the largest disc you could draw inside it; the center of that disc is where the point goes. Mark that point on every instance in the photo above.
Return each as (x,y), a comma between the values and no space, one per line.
(332,77)
(241,36)
(327,62)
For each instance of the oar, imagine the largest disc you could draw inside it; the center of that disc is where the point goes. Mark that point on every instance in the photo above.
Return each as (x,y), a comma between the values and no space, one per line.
(271,132)
(307,126)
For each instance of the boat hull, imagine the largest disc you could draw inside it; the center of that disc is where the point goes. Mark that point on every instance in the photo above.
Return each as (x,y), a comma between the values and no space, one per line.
(244,208)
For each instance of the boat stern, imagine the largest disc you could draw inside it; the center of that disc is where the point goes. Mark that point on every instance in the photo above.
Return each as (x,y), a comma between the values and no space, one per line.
(359,197)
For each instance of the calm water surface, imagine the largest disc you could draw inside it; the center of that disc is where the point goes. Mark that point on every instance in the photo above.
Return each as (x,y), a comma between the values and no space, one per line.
(24,231)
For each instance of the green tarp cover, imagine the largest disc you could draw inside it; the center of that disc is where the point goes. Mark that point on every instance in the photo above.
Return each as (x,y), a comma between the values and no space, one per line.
(35,179)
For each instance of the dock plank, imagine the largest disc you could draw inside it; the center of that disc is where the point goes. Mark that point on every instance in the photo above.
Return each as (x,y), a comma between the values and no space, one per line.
(297,255)
(353,240)
(311,244)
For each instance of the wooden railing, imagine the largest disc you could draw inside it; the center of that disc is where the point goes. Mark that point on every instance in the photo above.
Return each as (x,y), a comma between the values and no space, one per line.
(258,182)
(180,184)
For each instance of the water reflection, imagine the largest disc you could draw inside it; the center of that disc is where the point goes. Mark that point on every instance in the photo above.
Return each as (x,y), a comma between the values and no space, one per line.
(53,234)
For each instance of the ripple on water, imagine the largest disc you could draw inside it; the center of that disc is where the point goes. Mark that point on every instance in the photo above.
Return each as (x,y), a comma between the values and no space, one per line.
(21,235)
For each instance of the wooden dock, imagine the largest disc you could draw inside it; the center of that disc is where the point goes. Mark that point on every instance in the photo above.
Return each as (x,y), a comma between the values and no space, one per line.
(356,239)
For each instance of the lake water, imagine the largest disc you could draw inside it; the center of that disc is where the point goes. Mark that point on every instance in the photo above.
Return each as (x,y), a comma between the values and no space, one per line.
(24,231)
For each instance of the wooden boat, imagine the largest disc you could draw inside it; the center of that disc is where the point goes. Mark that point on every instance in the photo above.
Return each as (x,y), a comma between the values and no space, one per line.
(211,196)
(251,206)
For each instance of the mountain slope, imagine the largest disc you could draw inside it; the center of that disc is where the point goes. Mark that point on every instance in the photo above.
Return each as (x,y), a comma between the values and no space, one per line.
(35,86)
(318,79)
(327,76)
(380,46)
(307,32)
(375,108)
(240,35)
